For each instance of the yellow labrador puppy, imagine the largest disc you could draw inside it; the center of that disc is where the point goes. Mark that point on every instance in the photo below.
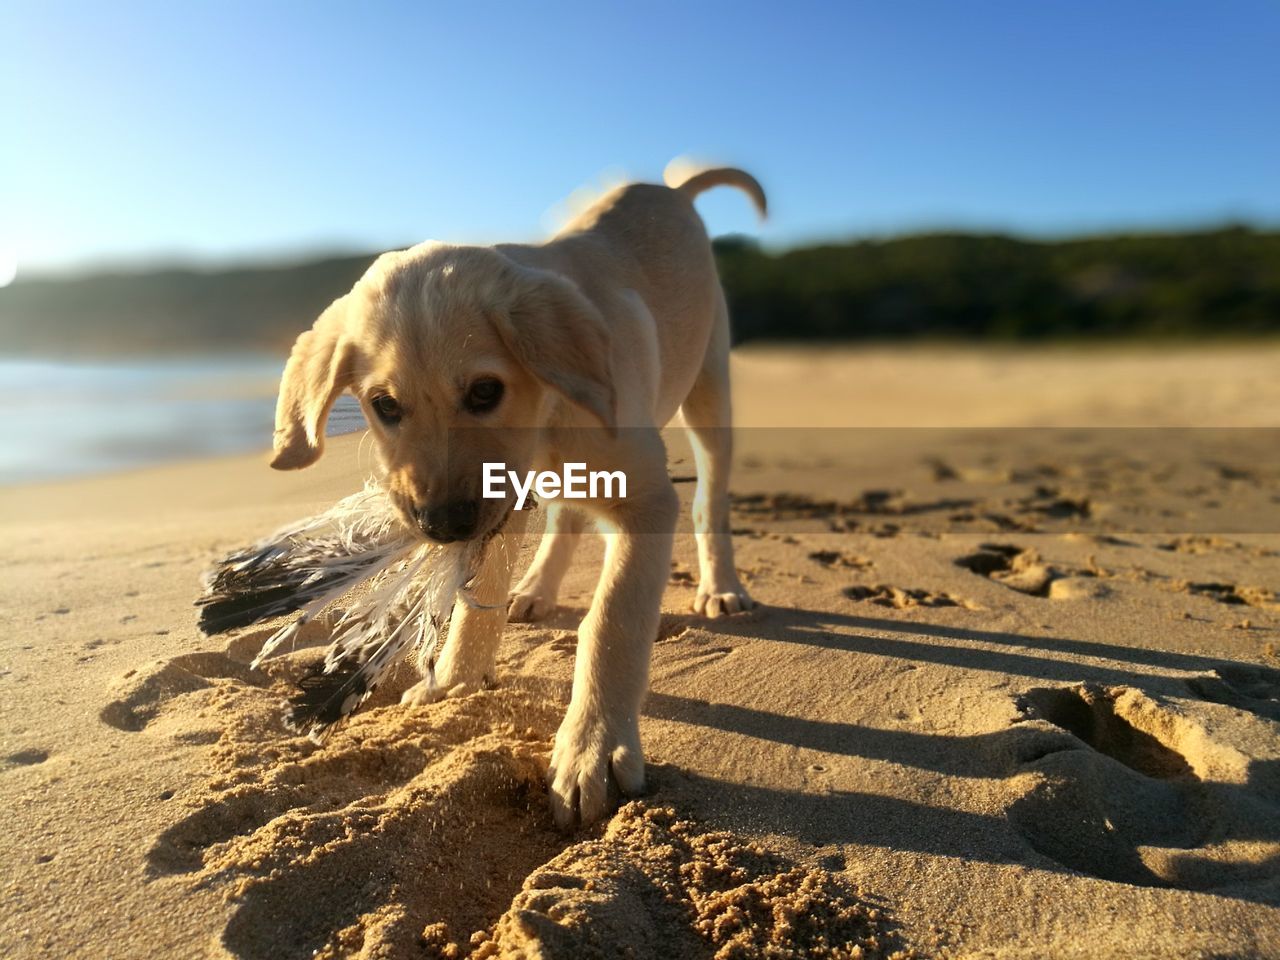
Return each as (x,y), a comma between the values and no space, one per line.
(575,351)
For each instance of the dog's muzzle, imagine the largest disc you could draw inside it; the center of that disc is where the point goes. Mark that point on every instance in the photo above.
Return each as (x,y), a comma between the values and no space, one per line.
(445,523)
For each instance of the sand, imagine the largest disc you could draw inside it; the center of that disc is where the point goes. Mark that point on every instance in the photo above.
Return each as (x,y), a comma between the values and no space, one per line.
(1013,692)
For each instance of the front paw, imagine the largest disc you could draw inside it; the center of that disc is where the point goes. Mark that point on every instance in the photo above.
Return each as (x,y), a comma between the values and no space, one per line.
(428,691)
(592,762)
(716,600)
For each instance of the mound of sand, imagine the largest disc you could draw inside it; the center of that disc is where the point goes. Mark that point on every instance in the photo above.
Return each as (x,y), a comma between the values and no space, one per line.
(297,838)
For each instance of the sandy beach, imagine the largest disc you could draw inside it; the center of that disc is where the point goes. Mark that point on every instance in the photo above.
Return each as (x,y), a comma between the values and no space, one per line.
(1013,691)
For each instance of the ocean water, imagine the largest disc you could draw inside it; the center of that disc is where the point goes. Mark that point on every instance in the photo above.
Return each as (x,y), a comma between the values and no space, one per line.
(64,419)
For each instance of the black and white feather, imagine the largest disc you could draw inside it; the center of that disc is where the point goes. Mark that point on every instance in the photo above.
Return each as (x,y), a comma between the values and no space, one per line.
(410,590)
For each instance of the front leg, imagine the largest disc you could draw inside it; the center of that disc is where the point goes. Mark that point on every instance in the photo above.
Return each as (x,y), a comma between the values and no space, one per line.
(600,735)
(467,657)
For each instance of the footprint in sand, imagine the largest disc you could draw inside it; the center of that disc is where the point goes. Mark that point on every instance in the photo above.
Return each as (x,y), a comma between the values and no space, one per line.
(1021,569)
(1143,794)
(1199,544)
(904,598)
(1243,686)
(681,575)
(1231,594)
(27,757)
(839,517)
(832,559)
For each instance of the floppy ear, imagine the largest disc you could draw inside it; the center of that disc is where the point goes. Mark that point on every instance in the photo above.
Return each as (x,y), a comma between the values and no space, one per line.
(319,369)
(556,333)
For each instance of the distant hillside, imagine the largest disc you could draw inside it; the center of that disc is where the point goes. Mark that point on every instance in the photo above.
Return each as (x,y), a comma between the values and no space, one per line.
(172,309)
(1223,282)
(995,287)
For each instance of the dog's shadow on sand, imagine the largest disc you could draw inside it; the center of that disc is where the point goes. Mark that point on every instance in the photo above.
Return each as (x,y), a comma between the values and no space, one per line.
(1089,789)
(955,646)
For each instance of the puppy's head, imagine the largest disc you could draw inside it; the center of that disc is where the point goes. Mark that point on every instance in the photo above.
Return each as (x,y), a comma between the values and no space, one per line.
(456,355)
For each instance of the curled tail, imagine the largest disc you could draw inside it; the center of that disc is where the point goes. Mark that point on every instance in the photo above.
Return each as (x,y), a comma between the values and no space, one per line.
(691,186)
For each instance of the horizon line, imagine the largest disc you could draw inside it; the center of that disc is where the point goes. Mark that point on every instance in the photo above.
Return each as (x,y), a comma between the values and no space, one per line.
(279,258)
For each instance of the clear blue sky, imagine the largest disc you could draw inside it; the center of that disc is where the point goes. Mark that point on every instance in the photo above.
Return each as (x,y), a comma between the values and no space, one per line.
(229,130)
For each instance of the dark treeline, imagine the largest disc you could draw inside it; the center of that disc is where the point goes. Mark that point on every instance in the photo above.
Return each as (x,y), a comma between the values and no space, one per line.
(1222,282)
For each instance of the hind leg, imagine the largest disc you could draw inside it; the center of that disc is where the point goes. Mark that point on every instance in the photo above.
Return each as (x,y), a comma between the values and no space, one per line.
(535,596)
(709,417)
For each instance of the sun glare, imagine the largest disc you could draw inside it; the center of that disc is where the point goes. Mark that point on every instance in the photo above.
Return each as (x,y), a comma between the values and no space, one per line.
(8,267)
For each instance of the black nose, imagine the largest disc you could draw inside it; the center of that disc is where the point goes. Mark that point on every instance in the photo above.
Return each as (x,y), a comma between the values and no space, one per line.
(455,520)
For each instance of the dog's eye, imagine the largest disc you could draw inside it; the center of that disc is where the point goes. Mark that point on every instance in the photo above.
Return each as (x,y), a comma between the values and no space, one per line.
(483,395)
(387,409)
